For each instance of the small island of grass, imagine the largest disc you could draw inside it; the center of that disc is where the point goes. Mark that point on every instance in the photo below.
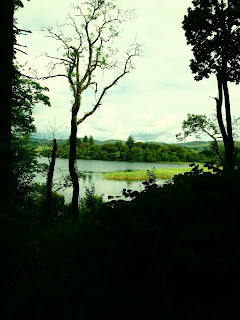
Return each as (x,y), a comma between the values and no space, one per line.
(140,175)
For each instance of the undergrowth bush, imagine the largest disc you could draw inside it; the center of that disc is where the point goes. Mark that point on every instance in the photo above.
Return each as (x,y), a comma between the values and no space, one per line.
(172,250)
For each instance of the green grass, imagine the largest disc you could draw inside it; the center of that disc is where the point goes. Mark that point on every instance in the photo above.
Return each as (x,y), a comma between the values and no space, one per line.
(141,175)
(41,148)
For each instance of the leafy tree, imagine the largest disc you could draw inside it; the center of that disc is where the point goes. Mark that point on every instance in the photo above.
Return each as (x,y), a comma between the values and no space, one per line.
(78,142)
(85,139)
(197,124)
(212,29)
(95,25)
(139,145)
(91,140)
(136,154)
(112,151)
(120,146)
(130,142)
(26,94)
(150,155)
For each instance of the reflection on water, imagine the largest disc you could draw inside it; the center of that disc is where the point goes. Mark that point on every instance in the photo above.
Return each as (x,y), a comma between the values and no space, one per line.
(92,174)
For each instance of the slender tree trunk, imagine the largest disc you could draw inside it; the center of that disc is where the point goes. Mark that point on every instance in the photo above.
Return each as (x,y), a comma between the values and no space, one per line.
(227,135)
(6,101)
(72,162)
(218,153)
(49,181)
(230,142)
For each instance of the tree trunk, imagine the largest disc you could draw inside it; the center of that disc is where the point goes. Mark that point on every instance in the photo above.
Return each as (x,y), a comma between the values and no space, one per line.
(215,147)
(226,135)
(230,143)
(6,101)
(49,181)
(72,162)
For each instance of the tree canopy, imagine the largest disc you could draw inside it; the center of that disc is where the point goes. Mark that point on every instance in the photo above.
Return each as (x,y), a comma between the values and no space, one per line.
(212,28)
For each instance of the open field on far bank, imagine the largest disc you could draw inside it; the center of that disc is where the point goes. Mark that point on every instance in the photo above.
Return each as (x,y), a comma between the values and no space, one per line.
(140,175)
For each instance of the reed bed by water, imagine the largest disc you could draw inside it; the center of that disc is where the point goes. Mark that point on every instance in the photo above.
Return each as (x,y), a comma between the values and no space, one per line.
(140,175)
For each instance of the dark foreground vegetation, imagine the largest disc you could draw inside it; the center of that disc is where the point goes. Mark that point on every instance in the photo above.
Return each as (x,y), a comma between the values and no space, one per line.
(171,251)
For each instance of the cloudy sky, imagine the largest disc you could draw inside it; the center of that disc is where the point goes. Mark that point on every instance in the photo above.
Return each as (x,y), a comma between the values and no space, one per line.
(151,102)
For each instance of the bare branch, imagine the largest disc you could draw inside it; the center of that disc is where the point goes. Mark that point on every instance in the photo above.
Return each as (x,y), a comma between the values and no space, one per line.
(16,49)
(53,76)
(61,59)
(78,32)
(59,37)
(97,105)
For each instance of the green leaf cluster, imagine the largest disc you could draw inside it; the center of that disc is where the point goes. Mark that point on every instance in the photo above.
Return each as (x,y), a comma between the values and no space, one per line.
(212,29)
(26,94)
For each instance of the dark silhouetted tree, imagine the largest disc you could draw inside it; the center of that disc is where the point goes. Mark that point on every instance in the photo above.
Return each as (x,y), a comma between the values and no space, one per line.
(212,28)
(95,25)
(91,140)
(130,142)
(6,99)
(85,139)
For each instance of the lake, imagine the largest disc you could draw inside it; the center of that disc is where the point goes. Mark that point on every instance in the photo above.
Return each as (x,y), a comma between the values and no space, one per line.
(93,170)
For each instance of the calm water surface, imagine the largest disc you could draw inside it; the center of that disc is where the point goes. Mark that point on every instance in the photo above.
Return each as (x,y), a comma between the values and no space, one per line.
(93,170)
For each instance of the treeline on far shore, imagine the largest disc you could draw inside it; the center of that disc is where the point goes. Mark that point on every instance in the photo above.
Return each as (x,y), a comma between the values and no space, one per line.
(131,151)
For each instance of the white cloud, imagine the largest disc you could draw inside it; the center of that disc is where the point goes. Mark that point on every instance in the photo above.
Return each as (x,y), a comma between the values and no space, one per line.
(154,99)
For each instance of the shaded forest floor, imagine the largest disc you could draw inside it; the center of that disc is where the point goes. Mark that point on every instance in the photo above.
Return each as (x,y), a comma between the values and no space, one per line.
(170,252)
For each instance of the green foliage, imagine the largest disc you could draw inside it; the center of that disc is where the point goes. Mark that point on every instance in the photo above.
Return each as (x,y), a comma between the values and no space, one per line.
(212,29)
(197,125)
(130,142)
(26,94)
(85,139)
(140,152)
(91,140)
(91,203)
(24,165)
(59,209)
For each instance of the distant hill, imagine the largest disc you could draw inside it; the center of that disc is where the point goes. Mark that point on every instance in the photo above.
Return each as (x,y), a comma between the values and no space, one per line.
(47,141)
(195,145)
(159,143)
(98,142)
(63,141)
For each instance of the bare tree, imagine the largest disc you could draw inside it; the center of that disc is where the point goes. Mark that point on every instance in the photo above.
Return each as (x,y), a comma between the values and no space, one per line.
(89,50)
(53,129)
